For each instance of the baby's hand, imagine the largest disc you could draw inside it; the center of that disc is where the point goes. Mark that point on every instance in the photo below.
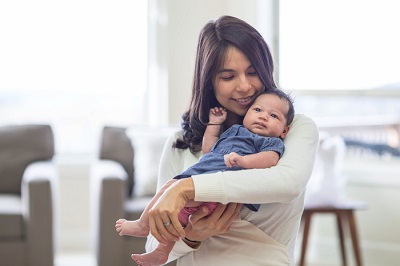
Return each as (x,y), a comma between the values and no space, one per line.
(217,115)
(233,159)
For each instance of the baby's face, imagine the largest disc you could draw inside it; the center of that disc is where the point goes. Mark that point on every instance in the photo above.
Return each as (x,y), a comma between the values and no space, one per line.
(266,116)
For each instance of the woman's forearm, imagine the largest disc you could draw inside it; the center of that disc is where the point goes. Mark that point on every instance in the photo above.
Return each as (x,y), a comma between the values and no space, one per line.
(281,183)
(185,187)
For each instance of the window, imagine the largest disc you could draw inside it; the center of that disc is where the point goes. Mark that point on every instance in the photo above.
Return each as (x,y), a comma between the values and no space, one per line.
(77,65)
(341,58)
(339,44)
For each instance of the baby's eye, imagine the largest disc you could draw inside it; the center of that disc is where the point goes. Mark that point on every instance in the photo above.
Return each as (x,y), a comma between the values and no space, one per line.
(274,116)
(257,109)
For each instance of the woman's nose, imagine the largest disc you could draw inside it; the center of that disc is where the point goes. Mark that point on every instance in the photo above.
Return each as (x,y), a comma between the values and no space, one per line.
(244,85)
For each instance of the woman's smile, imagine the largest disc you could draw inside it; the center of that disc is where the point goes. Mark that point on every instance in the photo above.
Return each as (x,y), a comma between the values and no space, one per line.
(245,101)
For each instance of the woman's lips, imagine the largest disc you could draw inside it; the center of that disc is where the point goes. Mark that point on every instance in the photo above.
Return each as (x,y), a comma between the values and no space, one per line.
(244,101)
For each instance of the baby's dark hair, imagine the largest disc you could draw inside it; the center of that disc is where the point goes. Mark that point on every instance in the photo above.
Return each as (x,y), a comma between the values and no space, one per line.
(282,95)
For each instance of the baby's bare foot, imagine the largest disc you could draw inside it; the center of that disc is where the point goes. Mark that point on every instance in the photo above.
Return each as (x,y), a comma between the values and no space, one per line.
(159,256)
(150,259)
(131,228)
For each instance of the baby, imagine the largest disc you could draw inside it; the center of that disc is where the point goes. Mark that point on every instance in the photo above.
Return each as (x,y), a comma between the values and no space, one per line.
(258,143)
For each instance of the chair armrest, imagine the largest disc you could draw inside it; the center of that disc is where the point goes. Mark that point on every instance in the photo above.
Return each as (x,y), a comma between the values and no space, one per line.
(37,193)
(108,193)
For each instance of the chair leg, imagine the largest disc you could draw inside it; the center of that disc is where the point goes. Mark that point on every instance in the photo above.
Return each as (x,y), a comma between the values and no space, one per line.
(306,221)
(340,217)
(354,238)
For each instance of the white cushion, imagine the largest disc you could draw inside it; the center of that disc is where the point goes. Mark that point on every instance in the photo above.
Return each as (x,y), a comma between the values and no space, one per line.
(10,204)
(327,182)
(148,144)
(11,220)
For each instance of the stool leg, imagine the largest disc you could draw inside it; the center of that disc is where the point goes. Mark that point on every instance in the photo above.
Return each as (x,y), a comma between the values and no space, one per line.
(340,216)
(306,221)
(354,238)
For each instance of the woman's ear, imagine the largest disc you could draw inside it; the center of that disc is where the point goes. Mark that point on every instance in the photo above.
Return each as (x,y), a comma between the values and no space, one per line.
(285,131)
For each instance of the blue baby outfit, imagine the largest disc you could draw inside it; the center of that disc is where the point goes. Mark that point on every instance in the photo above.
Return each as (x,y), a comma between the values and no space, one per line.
(236,139)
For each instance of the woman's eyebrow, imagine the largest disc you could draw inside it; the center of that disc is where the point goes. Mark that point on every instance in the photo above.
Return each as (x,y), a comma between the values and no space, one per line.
(225,70)
(231,70)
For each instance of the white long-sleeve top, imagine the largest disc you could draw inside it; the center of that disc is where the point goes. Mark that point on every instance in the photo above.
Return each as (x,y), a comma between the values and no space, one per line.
(266,237)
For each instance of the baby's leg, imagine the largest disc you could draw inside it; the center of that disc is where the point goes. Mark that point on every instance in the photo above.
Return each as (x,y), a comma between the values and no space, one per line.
(140,227)
(159,256)
(132,228)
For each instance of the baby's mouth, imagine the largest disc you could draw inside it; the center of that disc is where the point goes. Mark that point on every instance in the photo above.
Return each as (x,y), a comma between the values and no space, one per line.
(259,124)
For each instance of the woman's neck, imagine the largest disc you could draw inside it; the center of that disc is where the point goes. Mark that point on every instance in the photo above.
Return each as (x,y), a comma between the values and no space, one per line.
(232,119)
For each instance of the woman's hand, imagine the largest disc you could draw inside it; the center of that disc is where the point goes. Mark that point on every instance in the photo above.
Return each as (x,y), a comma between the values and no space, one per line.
(201,227)
(163,216)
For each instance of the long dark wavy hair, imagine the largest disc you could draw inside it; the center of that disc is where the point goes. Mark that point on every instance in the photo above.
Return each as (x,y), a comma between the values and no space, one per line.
(214,40)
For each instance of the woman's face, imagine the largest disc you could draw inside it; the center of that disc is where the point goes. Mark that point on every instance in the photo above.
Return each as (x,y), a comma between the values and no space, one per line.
(236,83)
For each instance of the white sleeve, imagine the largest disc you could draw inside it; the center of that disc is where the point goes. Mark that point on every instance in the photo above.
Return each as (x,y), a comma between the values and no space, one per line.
(281,183)
(170,162)
(173,162)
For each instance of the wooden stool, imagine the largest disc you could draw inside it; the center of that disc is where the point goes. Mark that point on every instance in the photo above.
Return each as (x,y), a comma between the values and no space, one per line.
(344,215)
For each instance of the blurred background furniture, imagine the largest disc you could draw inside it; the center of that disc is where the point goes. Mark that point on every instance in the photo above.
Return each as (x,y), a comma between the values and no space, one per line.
(325,195)
(27,185)
(113,195)
(346,225)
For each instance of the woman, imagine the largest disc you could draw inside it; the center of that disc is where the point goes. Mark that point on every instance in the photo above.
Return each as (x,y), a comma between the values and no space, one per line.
(233,66)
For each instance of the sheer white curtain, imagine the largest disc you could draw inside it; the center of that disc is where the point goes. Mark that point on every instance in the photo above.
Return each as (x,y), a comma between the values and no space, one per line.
(76,64)
(341,59)
(339,44)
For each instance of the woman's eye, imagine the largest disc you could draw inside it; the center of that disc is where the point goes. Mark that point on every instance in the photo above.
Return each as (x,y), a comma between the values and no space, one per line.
(252,73)
(227,77)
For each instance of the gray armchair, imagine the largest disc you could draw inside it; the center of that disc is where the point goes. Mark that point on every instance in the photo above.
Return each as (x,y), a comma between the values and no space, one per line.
(112,182)
(27,183)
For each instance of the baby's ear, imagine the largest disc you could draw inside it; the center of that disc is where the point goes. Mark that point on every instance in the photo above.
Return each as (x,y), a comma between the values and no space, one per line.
(285,131)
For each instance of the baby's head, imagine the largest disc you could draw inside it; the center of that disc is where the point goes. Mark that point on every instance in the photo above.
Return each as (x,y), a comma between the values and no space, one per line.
(271,114)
